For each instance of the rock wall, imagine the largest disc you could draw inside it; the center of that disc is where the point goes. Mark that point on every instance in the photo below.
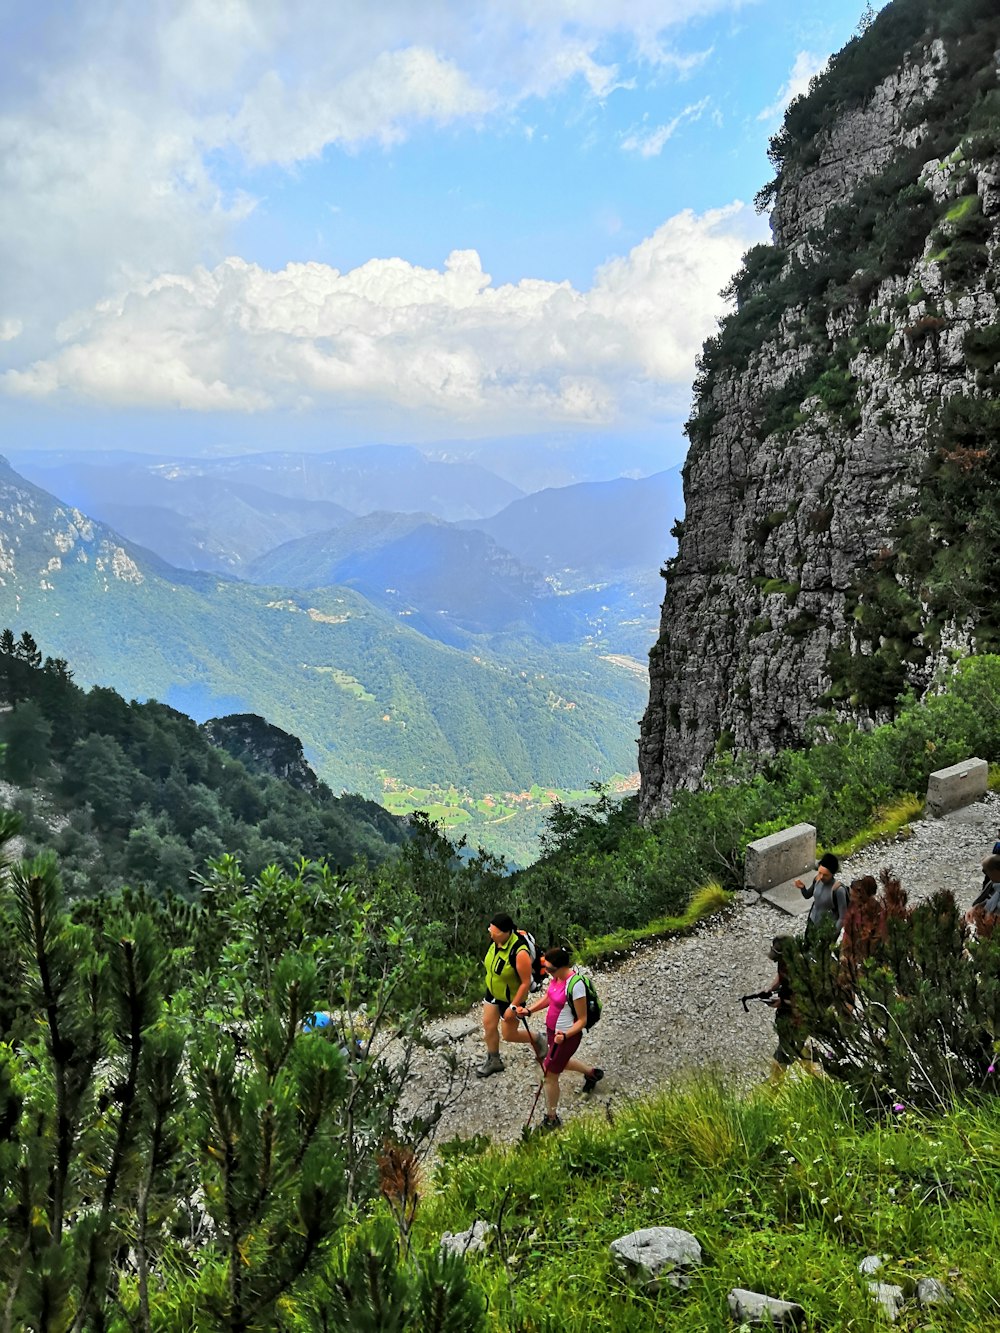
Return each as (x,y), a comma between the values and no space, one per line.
(779,522)
(262,748)
(860,144)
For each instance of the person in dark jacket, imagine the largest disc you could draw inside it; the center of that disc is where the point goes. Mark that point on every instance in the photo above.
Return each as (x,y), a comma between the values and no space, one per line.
(986,892)
(829,897)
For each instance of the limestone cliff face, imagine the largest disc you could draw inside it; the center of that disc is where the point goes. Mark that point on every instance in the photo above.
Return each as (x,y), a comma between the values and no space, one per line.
(817,404)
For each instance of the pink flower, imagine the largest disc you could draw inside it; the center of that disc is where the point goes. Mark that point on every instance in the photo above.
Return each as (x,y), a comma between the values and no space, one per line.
(992,1069)
(899,1106)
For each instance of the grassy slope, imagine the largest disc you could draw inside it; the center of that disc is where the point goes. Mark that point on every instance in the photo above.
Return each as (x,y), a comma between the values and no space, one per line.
(786,1189)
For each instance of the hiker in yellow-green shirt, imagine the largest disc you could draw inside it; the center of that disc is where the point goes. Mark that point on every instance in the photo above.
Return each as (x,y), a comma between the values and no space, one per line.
(508,981)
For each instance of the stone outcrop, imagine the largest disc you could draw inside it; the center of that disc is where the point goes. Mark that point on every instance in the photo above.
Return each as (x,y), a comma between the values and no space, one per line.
(805,449)
(262,747)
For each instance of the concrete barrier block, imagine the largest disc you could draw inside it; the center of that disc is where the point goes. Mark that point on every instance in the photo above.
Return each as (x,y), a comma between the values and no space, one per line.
(779,857)
(951,788)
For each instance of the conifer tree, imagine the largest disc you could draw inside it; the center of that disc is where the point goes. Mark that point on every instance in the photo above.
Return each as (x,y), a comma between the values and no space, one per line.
(176,1149)
(907,1008)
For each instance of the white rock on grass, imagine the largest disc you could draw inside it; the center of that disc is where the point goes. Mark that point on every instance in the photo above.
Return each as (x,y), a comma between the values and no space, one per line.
(871,1264)
(468,1242)
(658,1255)
(932,1292)
(889,1297)
(750,1307)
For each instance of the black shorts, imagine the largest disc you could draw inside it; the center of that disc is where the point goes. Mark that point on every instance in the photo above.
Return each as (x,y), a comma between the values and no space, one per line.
(502,1005)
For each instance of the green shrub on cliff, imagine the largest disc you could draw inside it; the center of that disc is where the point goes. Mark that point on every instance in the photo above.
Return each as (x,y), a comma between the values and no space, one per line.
(938,577)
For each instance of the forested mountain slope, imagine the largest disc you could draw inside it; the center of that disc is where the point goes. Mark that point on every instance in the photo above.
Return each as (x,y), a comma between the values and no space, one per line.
(137,793)
(841,488)
(450,583)
(369,698)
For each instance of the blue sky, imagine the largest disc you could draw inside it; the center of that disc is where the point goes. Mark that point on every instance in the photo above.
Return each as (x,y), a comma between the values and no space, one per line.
(241,224)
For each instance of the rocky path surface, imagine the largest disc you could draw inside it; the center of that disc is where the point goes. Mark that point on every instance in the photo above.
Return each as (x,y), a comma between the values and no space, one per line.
(675,1006)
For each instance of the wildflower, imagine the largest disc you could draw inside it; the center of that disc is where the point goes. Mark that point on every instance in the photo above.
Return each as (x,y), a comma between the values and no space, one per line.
(992,1069)
(898,1107)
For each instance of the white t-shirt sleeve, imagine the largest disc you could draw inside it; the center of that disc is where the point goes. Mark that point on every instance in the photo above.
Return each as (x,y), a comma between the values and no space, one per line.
(567,1014)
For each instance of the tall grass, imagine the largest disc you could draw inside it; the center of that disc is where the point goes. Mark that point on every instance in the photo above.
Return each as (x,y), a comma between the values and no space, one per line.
(787,1189)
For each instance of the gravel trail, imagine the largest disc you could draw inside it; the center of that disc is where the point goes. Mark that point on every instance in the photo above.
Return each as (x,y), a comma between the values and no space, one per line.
(674,1006)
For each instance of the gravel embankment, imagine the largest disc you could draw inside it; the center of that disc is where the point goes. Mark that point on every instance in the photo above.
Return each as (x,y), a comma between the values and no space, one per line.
(674,1007)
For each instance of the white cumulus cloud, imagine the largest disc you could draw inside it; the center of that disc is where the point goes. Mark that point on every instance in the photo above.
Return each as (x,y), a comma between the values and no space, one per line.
(124,127)
(445,344)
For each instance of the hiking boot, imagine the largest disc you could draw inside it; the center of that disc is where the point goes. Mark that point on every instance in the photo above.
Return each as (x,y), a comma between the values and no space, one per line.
(540,1043)
(551,1122)
(591,1080)
(493,1064)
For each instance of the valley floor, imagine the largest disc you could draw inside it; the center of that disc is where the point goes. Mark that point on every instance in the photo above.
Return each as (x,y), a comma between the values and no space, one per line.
(675,1006)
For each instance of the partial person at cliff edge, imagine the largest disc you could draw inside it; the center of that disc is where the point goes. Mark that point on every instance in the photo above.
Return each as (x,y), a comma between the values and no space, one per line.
(829,897)
(508,981)
(986,892)
(988,901)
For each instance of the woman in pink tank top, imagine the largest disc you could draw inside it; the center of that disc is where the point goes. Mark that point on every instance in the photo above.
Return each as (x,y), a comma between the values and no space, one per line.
(565,1024)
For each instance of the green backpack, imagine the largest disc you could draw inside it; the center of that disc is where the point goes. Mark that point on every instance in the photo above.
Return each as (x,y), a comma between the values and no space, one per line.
(593,999)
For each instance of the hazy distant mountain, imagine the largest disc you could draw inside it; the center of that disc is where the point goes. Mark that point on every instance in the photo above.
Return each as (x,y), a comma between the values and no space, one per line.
(368,696)
(361,480)
(594,529)
(450,583)
(535,462)
(192,522)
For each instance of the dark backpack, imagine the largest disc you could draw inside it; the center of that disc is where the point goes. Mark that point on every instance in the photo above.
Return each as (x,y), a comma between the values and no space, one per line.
(527,941)
(593,999)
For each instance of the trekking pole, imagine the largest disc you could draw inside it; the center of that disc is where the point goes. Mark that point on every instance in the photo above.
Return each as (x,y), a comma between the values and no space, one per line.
(757,995)
(541,1065)
(539,1058)
(541,1085)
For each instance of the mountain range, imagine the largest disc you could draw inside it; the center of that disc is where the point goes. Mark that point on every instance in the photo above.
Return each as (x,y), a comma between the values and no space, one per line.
(574,564)
(371,699)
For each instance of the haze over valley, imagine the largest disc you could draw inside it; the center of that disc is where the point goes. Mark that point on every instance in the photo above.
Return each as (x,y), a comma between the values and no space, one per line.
(420,661)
